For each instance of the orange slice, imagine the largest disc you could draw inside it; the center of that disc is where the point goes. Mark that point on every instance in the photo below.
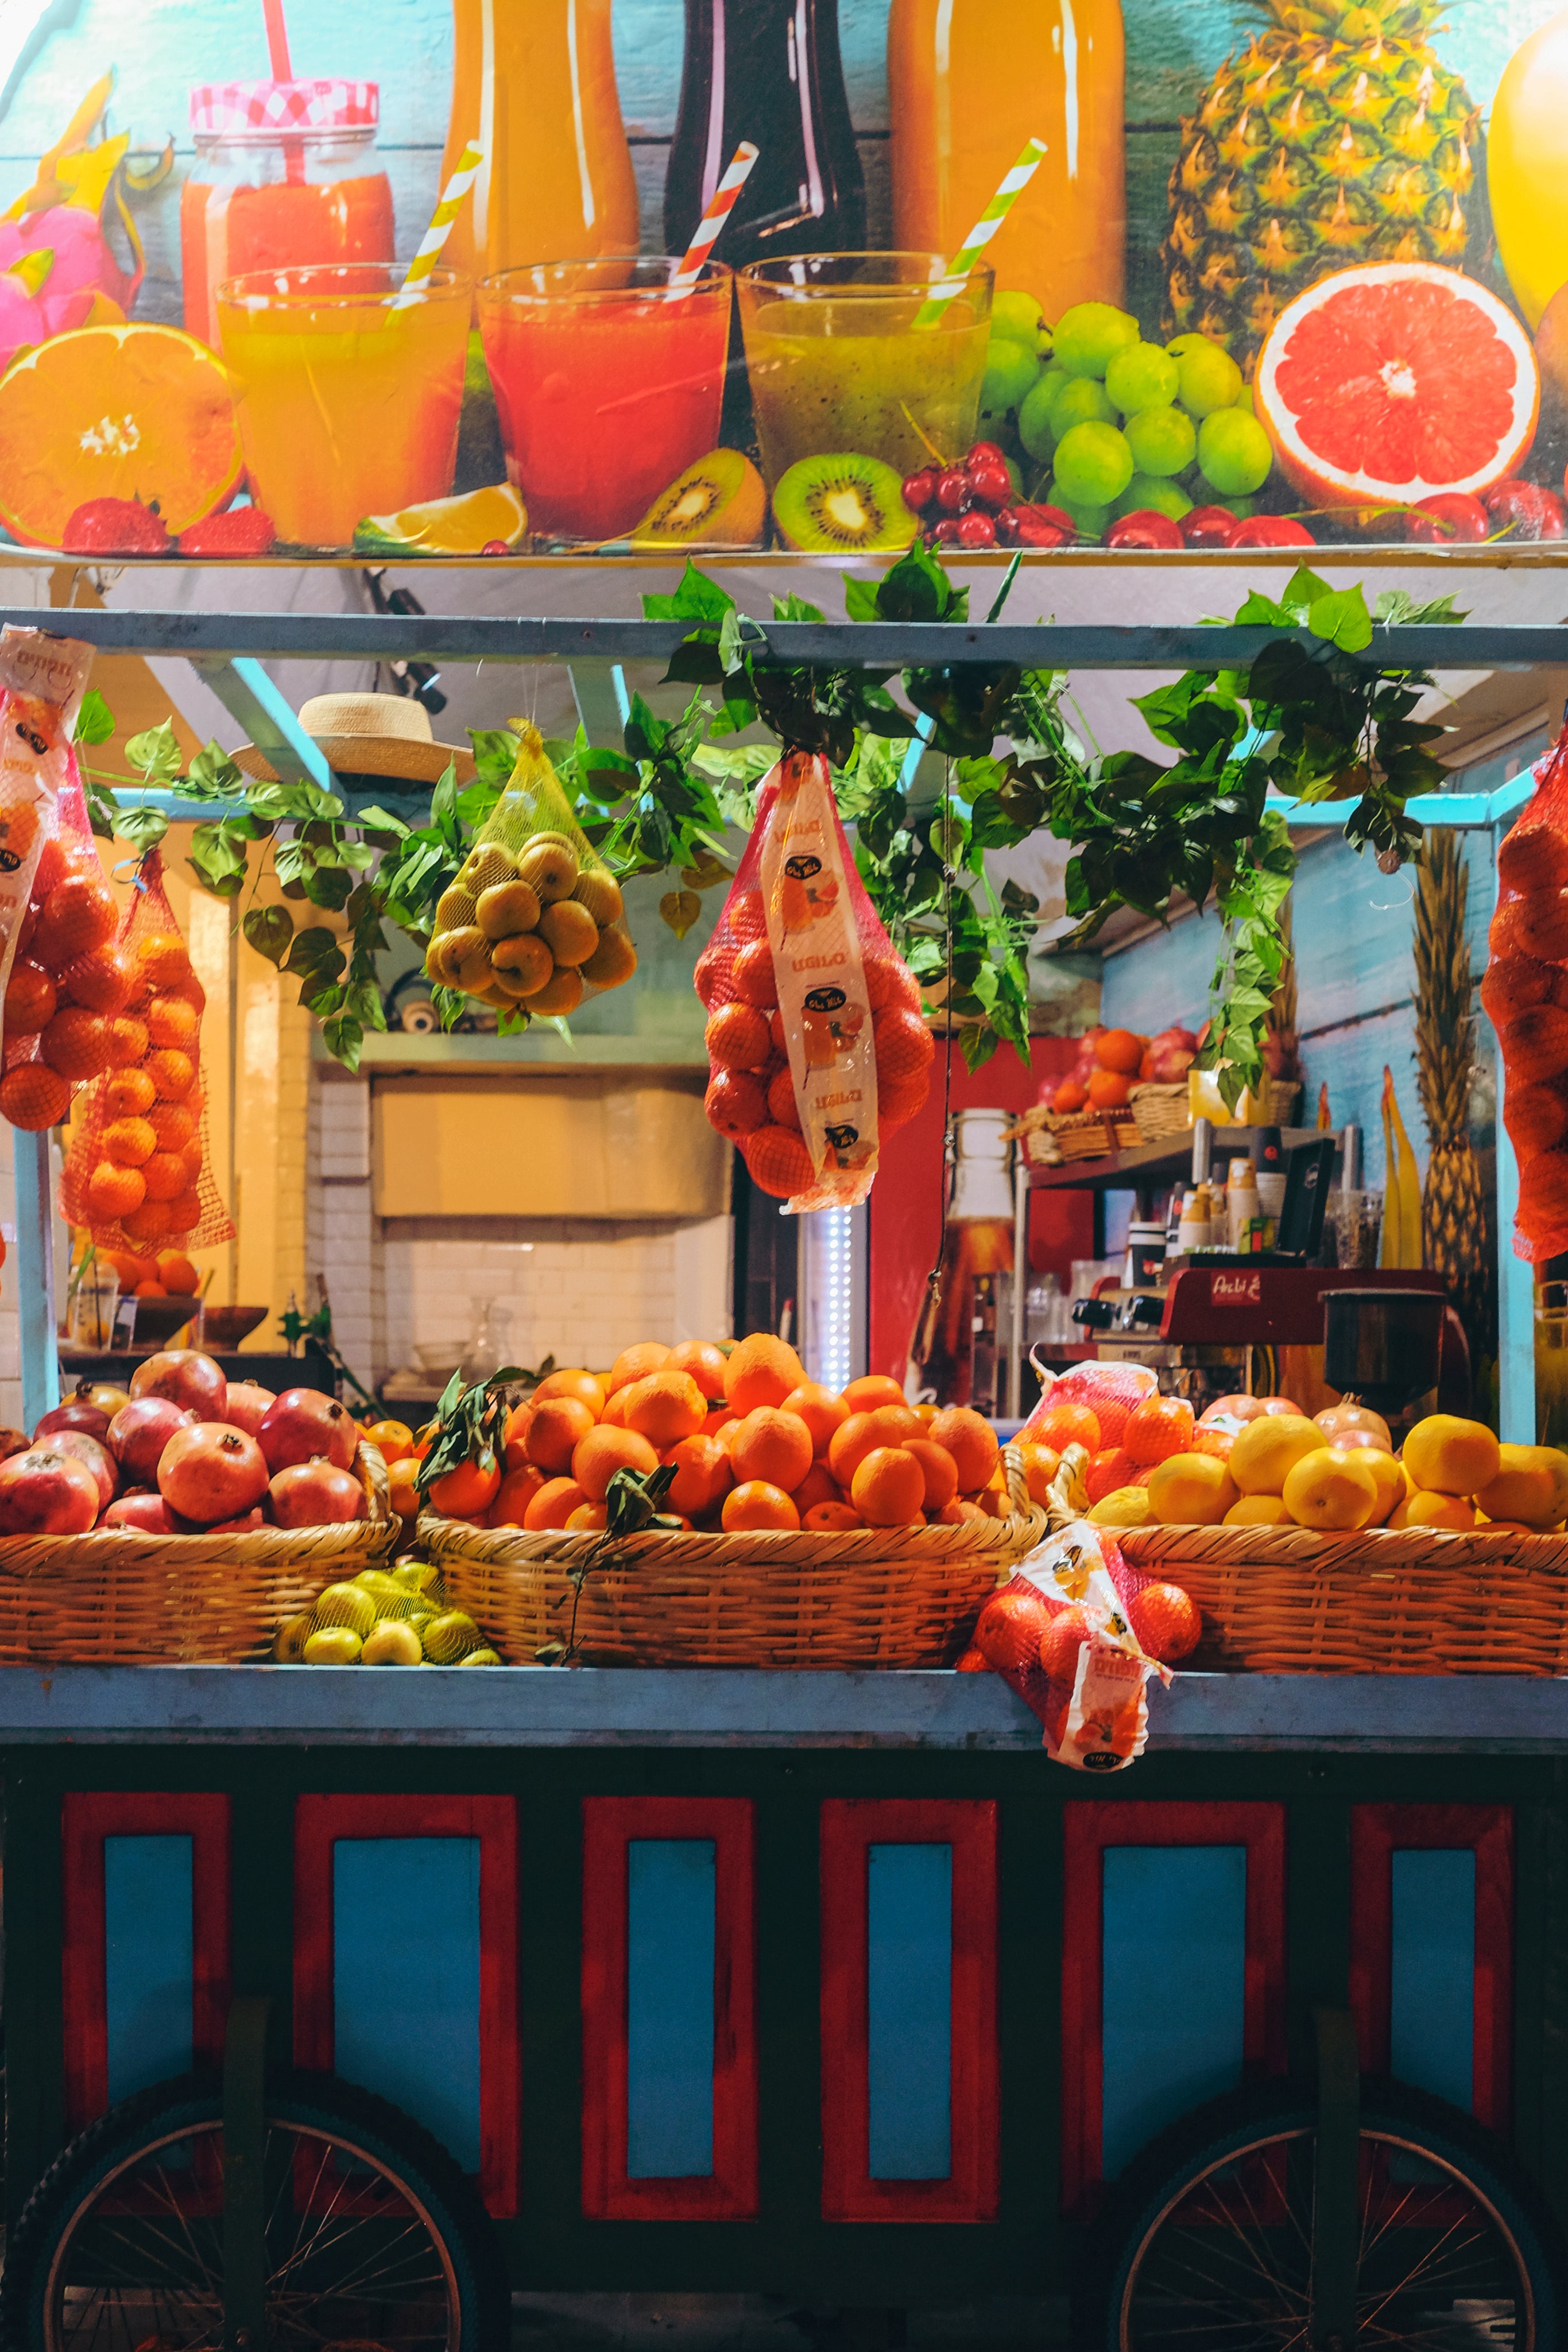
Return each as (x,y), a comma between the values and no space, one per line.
(133,412)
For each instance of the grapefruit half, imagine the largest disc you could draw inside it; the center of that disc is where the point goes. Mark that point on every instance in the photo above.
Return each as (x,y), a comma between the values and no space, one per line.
(1389,383)
(132,412)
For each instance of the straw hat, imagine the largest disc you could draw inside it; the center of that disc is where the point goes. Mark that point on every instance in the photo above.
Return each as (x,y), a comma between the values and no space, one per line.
(371,735)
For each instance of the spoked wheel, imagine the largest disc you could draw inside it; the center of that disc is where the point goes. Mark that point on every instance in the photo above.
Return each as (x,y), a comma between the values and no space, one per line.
(1207,2244)
(374,2240)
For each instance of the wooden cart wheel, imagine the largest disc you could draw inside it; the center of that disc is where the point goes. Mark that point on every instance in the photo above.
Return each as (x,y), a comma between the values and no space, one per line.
(1208,2245)
(373,2239)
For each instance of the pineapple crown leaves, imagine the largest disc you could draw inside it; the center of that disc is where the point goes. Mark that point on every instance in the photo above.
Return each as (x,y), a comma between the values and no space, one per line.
(469,1423)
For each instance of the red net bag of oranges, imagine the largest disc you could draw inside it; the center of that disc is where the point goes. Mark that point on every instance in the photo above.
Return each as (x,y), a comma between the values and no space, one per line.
(1525,994)
(137,1176)
(817,1047)
(58,916)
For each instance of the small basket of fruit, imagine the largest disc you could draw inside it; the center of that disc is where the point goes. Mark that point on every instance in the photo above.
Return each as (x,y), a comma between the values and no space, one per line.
(695,1507)
(175,1523)
(1309,1546)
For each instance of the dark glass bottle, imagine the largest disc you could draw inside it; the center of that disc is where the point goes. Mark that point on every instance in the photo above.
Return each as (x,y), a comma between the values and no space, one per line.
(767,71)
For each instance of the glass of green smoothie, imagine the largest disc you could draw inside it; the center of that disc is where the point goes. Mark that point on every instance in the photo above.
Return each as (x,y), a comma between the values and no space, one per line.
(839,365)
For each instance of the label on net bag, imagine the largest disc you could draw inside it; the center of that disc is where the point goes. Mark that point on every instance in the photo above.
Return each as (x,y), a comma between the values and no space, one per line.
(1099,1722)
(820,976)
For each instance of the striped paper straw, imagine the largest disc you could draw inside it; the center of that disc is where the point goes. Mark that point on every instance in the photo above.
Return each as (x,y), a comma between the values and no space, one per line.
(414,284)
(712,221)
(980,236)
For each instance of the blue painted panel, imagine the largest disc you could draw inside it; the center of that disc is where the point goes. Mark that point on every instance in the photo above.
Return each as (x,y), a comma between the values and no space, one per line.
(1175,1917)
(670,1897)
(405,1978)
(148,1960)
(909,2010)
(1433,1972)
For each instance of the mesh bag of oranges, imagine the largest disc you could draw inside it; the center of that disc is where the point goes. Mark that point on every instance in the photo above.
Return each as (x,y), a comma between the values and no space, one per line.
(138,1177)
(61,978)
(534,920)
(817,1047)
(1524,994)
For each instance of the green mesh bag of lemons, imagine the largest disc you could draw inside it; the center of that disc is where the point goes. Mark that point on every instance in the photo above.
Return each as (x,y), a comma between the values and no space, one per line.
(534,918)
(399,1616)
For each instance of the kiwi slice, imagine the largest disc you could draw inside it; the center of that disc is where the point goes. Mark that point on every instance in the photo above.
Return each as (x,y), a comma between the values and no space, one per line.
(718,501)
(842,506)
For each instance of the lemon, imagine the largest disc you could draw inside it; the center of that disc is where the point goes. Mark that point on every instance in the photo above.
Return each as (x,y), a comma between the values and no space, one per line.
(390,1643)
(1127,1507)
(460,526)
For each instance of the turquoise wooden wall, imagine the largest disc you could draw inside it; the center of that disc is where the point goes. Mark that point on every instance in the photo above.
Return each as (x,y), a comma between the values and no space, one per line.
(158,47)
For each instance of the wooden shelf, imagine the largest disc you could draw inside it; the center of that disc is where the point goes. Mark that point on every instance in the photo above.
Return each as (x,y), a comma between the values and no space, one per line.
(398,1049)
(1150,1164)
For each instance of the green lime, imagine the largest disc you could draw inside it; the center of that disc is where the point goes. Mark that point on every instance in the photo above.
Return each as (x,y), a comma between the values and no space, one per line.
(1011,370)
(1142,376)
(1093,464)
(1233,452)
(1161,440)
(1150,491)
(1090,520)
(1035,430)
(1018,317)
(1080,400)
(1089,336)
(1208,376)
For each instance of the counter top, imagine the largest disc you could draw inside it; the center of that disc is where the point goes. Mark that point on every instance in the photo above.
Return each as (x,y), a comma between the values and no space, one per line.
(502,1706)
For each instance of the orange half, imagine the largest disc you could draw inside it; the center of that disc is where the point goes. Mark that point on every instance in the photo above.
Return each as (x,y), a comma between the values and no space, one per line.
(133,412)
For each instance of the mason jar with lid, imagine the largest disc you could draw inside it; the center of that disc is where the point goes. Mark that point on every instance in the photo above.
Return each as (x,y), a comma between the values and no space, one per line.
(285,174)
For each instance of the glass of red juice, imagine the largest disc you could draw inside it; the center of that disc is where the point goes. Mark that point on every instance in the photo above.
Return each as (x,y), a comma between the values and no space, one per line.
(607,386)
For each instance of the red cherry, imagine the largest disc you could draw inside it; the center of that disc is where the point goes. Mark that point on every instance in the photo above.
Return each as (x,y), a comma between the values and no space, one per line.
(953,489)
(1271,530)
(946,532)
(978,530)
(1451,519)
(1523,511)
(1207,527)
(1006,527)
(1043,526)
(1144,527)
(495,546)
(992,485)
(919,489)
(986,453)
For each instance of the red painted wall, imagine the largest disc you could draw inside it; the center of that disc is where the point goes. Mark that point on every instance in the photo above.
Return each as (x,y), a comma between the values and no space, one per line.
(905,1200)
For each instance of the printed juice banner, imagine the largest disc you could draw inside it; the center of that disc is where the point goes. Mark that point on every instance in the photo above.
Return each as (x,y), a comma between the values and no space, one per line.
(439,278)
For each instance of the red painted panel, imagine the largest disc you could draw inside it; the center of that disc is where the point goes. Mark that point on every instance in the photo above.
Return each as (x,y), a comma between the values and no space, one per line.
(318,1823)
(1377,1833)
(729,2193)
(1090,1828)
(972,2190)
(87,1818)
(907,1204)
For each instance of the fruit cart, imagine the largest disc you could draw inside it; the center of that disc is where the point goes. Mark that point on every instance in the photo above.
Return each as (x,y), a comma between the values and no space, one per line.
(341,2004)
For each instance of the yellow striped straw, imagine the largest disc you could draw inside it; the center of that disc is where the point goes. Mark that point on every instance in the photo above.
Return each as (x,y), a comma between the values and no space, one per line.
(415,284)
(1013,185)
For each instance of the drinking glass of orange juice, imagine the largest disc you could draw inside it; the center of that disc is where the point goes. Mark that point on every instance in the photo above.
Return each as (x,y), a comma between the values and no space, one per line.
(606,388)
(838,363)
(348,406)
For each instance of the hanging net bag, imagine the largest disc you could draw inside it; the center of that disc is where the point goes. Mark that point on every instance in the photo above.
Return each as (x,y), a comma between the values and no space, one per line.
(138,1177)
(1525,995)
(817,1047)
(534,921)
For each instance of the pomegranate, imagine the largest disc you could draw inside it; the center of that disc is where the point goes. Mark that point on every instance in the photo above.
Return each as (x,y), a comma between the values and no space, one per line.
(245,1524)
(148,1515)
(47,1492)
(303,1423)
(1232,1408)
(1350,1413)
(187,1378)
(106,1396)
(248,1405)
(138,1435)
(211,1472)
(316,1493)
(77,1412)
(97,1457)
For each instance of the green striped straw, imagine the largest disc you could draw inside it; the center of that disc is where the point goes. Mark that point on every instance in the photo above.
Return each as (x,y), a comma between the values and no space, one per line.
(979,236)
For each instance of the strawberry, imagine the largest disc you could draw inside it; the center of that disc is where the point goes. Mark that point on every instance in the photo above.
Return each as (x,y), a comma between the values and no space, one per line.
(242,530)
(114,527)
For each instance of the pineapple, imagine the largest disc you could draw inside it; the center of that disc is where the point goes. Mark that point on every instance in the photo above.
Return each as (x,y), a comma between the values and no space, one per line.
(1335,137)
(1455,1241)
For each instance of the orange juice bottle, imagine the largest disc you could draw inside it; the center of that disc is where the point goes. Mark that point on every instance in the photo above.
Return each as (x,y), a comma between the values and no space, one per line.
(534,81)
(969,83)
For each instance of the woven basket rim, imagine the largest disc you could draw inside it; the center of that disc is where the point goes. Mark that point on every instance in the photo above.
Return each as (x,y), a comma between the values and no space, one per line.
(1264,1547)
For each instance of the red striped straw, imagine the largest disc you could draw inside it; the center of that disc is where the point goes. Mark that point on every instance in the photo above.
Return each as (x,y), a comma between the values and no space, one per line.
(712,221)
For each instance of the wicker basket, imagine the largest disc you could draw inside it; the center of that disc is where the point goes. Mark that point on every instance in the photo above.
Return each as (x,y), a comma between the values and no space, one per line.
(1051,1140)
(120,1598)
(869,1597)
(1160,1112)
(1391,1600)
